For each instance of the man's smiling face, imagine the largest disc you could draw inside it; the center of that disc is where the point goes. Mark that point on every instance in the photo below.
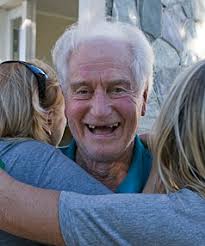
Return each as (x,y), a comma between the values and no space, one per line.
(103,104)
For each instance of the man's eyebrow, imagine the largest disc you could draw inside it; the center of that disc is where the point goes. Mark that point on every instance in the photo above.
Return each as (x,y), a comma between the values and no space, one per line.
(119,82)
(78,84)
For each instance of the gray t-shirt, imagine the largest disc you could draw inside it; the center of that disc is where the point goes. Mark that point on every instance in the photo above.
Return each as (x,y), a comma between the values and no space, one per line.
(133,219)
(42,165)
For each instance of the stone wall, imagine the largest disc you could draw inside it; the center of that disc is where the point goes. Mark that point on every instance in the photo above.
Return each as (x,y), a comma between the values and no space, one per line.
(176,30)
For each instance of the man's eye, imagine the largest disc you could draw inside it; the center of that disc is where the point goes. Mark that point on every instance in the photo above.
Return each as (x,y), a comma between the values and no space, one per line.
(82,91)
(118,90)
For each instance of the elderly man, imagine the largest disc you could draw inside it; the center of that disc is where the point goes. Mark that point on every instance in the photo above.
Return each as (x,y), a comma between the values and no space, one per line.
(105,71)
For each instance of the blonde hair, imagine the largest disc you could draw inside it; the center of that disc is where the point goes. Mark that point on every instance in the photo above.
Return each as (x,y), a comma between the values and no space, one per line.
(179,135)
(21,113)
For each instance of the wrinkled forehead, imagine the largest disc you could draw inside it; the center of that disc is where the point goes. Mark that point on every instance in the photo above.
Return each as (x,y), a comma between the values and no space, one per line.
(100,55)
(101,51)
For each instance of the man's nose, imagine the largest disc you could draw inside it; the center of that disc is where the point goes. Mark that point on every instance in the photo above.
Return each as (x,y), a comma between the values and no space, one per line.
(101,105)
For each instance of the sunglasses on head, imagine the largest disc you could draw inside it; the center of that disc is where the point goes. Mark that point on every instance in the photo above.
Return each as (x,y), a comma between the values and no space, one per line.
(40,75)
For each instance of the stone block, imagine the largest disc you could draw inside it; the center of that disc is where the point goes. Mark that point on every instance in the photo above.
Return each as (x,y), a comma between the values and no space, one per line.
(109,6)
(177,13)
(170,31)
(188,7)
(163,80)
(168,3)
(153,108)
(125,11)
(188,58)
(165,55)
(190,31)
(198,10)
(150,14)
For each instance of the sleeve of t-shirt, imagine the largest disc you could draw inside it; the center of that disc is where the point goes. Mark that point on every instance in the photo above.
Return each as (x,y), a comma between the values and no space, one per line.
(61,173)
(132,219)
(44,166)
(119,219)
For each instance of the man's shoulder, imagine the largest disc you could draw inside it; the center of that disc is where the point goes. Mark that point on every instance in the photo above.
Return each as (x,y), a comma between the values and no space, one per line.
(141,148)
(69,150)
(64,149)
(139,169)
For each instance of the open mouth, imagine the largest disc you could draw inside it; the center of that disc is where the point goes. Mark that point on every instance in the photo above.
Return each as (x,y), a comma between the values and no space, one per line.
(104,129)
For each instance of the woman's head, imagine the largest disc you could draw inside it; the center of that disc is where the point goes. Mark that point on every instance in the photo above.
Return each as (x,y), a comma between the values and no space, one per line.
(24,110)
(179,136)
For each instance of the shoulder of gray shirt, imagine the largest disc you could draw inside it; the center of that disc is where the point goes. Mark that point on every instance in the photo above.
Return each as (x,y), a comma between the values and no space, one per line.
(43,165)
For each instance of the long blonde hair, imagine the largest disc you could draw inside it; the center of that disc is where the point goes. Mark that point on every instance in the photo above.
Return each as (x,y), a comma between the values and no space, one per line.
(179,133)
(21,113)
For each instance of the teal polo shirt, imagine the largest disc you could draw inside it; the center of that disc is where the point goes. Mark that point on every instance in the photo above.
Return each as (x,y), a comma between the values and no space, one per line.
(138,172)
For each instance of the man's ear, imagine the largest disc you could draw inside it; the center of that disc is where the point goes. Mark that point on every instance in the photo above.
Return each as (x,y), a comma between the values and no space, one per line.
(144,105)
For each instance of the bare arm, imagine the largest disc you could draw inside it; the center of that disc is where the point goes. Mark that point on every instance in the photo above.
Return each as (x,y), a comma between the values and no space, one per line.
(29,212)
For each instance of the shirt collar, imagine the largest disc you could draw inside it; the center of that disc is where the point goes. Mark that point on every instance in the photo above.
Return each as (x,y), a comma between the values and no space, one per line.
(139,170)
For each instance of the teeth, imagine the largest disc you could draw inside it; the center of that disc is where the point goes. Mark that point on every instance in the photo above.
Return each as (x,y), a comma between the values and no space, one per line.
(91,126)
(114,125)
(110,126)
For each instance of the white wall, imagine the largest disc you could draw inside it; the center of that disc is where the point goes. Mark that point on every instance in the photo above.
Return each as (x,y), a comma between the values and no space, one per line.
(3,43)
(48,29)
(6,17)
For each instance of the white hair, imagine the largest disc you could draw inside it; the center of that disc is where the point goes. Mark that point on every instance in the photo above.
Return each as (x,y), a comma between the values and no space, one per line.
(142,54)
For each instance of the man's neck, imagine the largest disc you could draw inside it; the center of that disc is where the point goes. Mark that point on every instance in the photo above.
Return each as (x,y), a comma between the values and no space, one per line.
(111,174)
